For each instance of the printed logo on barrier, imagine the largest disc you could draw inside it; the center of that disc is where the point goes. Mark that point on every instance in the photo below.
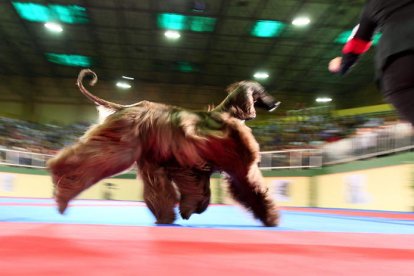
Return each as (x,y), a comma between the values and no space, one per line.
(355,189)
(7,182)
(281,190)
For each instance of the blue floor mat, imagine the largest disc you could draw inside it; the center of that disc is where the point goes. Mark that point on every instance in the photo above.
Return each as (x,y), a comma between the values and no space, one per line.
(216,216)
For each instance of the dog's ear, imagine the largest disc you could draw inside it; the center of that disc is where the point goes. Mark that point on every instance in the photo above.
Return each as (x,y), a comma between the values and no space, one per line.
(233,87)
(242,101)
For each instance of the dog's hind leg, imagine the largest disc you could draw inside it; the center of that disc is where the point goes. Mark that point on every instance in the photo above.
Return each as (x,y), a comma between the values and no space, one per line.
(159,193)
(194,187)
(78,167)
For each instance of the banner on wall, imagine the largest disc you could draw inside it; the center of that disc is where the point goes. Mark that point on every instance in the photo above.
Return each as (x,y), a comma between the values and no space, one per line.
(108,190)
(7,182)
(355,189)
(281,190)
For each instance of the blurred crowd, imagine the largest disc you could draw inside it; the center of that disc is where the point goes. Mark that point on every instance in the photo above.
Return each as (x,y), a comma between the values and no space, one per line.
(313,131)
(38,138)
(352,134)
(319,131)
(371,139)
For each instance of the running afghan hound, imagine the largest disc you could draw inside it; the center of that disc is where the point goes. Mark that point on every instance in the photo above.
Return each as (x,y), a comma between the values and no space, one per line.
(171,145)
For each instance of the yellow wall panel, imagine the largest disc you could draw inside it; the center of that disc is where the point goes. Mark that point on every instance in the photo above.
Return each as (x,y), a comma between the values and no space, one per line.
(385,188)
(25,185)
(289,191)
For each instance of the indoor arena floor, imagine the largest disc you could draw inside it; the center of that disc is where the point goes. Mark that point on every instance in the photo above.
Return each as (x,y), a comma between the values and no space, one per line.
(119,238)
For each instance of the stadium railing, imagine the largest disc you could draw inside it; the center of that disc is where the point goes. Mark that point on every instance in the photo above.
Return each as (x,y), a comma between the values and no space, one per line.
(342,151)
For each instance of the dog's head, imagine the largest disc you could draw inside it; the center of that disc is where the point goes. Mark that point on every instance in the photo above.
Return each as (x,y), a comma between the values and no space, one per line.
(244,96)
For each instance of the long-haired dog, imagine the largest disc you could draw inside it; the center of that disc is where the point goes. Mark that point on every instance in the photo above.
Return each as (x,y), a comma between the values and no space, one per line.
(171,145)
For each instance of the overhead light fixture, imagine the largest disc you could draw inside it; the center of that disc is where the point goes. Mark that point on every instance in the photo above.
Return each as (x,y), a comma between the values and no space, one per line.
(127,78)
(267,28)
(172,34)
(69,60)
(70,14)
(185,66)
(301,21)
(123,85)
(53,27)
(180,22)
(323,100)
(261,75)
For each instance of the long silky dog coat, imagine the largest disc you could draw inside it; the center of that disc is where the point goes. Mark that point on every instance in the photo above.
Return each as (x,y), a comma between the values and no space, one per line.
(171,145)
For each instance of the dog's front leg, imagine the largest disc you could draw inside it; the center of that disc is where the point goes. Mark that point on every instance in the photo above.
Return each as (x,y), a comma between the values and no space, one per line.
(159,193)
(247,187)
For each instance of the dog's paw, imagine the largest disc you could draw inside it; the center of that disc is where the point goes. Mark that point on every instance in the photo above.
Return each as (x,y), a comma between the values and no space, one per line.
(186,213)
(272,219)
(165,221)
(202,205)
(62,206)
(165,217)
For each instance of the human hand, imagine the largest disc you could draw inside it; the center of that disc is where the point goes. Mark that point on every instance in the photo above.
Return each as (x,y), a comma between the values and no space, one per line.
(335,65)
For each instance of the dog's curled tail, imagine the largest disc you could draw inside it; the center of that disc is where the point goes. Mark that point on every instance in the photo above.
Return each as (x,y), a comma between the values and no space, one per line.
(90,96)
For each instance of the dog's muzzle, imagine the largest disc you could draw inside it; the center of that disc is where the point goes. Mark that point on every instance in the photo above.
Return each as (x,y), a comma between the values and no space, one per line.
(273,106)
(268,103)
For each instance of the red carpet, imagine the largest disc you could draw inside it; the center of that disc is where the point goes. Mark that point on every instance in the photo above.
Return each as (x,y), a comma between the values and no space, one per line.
(58,249)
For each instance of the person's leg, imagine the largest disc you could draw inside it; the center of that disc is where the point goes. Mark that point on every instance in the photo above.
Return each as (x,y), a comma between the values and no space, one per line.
(403,100)
(398,85)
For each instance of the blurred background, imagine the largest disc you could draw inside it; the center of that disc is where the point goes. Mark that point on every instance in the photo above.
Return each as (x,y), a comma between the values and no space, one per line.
(186,53)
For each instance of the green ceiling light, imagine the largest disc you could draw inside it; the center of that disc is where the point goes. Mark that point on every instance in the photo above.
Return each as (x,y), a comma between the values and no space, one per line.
(344,37)
(267,28)
(184,66)
(179,22)
(69,60)
(172,21)
(201,23)
(32,11)
(71,14)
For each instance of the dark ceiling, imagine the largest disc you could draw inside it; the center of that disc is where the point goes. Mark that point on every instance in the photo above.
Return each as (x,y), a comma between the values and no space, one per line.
(123,37)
